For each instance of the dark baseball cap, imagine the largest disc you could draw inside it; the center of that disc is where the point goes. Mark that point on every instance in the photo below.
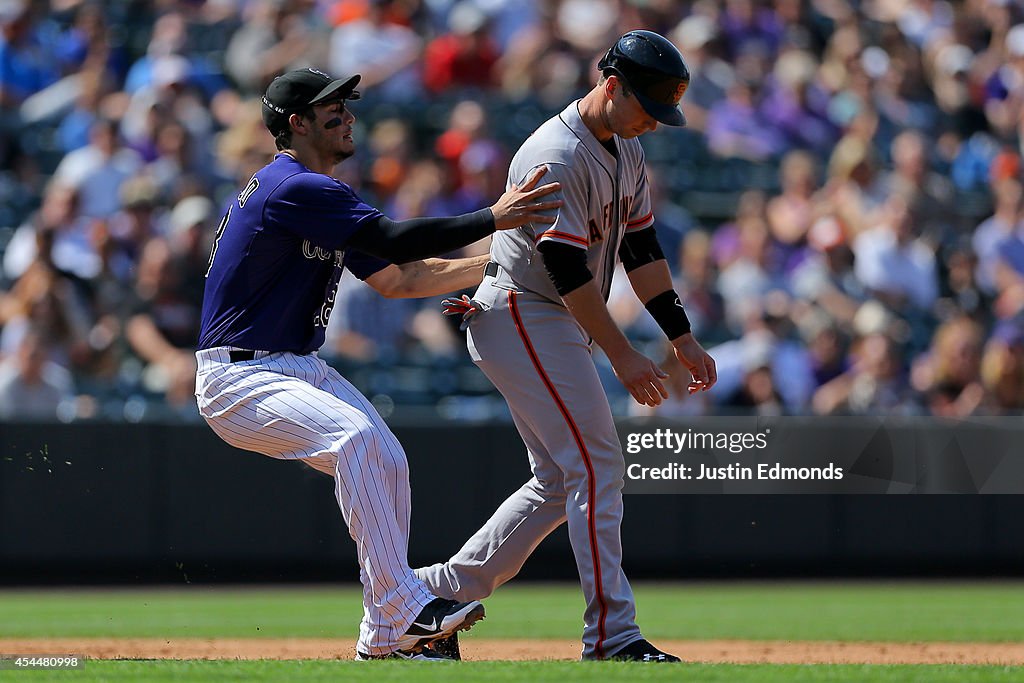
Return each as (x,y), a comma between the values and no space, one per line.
(296,90)
(654,70)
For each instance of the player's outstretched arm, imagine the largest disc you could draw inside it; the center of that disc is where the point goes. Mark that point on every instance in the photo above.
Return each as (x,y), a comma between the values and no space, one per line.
(429,277)
(418,238)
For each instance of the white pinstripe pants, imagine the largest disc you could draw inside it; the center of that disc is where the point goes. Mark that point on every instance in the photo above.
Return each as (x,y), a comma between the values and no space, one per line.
(299,408)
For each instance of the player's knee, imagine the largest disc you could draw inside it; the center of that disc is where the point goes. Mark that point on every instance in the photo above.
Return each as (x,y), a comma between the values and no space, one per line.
(550,491)
(395,462)
(361,438)
(603,481)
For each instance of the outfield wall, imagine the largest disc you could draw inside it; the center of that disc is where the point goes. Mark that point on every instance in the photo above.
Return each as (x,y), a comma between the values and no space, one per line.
(171,503)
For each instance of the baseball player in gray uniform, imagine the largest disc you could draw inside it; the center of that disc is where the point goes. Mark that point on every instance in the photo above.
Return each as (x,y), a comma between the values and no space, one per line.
(270,288)
(531,323)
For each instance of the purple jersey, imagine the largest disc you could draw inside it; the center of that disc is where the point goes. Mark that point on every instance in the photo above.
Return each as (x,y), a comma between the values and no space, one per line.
(278,257)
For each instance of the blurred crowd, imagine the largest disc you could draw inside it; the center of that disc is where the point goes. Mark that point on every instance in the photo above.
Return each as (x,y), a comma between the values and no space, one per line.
(843,216)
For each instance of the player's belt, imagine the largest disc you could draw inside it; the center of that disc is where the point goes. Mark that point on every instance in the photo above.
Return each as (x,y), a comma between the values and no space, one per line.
(241,355)
(491,270)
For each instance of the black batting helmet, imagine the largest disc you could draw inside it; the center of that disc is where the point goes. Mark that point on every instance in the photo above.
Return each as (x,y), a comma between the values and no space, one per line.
(653,69)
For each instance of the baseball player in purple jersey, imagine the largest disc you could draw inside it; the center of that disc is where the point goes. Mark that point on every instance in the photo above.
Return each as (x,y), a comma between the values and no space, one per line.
(279,253)
(531,323)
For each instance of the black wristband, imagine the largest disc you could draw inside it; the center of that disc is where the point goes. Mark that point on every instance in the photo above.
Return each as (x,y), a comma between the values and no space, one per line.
(667,311)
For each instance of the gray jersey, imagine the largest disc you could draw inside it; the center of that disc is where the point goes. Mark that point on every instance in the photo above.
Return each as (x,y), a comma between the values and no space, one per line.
(603,198)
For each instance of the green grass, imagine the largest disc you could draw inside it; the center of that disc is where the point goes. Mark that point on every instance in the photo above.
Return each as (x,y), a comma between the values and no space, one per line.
(825,611)
(540,672)
(864,611)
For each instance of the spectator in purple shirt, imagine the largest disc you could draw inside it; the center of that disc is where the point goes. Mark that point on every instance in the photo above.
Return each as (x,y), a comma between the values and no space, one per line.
(736,128)
(745,23)
(796,106)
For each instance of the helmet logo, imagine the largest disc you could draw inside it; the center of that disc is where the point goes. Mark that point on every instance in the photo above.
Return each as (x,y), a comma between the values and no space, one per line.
(680,89)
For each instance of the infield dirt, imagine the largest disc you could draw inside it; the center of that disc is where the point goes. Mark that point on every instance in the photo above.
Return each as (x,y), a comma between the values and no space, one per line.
(708,651)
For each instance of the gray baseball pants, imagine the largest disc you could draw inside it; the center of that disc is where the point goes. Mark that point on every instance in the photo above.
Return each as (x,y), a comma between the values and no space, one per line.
(538,357)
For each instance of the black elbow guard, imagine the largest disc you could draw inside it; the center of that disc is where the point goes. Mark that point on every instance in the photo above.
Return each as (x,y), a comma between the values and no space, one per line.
(640,248)
(566,266)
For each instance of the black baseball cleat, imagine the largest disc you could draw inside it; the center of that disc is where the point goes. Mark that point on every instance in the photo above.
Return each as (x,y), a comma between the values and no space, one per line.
(449,647)
(423,654)
(642,651)
(440,619)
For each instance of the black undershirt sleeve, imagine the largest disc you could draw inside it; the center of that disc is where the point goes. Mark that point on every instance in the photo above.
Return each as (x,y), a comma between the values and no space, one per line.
(419,238)
(640,248)
(566,265)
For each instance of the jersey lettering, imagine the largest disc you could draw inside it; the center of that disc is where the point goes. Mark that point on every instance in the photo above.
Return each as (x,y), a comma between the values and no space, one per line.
(216,241)
(323,316)
(243,196)
(626,204)
(597,233)
(320,254)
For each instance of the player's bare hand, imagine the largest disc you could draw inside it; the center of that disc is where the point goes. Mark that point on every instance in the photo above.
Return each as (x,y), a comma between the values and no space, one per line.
(519,205)
(641,376)
(697,361)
